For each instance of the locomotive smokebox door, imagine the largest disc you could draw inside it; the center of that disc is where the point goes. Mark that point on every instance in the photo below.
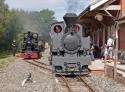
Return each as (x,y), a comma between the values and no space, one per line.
(71,43)
(70,19)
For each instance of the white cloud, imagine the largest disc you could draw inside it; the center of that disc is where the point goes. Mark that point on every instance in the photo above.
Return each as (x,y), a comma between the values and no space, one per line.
(59,6)
(35,4)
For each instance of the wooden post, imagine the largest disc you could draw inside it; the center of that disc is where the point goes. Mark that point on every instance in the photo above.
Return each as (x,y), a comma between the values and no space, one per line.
(105,57)
(104,36)
(116,53)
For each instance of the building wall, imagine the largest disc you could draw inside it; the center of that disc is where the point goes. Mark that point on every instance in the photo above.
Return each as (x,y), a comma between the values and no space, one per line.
(123,7)
(122,37)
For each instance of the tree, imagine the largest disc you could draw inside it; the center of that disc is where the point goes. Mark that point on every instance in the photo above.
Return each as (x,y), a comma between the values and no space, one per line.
(37,22)
(9,26)
(13,23)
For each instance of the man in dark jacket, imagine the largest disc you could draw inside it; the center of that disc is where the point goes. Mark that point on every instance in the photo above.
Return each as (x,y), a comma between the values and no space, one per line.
(14,47)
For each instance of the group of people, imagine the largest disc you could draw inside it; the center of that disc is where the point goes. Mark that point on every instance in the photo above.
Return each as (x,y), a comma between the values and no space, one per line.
(105,52)
(108,49)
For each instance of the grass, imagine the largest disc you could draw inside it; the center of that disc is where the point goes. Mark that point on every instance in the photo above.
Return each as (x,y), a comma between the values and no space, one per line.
(6,59)
(4,54)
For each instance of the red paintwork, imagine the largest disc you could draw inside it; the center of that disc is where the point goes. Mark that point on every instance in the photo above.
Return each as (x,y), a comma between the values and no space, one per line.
(32,55)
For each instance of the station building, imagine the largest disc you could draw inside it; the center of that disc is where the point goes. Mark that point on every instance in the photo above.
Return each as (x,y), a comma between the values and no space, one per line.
(99,20)
(104,19)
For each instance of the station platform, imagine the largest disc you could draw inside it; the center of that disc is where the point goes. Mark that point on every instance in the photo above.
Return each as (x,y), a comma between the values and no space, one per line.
(97,65)
(120,75)
(120,68)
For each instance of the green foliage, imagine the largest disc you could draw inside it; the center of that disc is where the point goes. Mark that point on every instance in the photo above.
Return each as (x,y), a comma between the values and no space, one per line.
(9,26)
(6,61)
(13,23)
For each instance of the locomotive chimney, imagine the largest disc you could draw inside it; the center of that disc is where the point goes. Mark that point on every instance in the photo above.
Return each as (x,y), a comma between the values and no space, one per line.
(70,19)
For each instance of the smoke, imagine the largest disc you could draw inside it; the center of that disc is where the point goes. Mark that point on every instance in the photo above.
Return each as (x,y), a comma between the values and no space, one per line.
(77,5)
(72,5)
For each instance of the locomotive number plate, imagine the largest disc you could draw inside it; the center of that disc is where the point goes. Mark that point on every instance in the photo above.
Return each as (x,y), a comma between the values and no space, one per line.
(71,67)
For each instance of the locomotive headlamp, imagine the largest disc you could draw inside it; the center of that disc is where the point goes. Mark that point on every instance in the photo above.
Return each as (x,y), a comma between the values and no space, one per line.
(35,36)
(75,28)
(57,29)
(99,17)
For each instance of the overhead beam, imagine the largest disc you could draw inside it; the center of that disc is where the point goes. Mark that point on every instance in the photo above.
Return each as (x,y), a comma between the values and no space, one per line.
(114,7)
(92,7)
(108,13)
(107,4)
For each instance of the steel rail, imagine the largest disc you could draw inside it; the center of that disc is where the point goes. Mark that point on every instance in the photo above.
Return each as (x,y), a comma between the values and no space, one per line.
(40,65)
(85,84)
(67,84)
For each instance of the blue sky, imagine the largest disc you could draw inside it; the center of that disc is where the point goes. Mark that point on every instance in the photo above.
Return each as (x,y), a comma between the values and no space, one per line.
(59,6)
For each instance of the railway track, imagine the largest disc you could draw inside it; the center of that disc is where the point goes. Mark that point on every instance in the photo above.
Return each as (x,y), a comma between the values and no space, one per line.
(72,84)
(67,84)
(86,84)
(40,65)
(75,84)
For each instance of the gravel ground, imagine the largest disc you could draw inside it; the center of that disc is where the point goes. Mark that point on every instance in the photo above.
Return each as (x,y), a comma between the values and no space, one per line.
(12,76)
(108,85)
(45,56)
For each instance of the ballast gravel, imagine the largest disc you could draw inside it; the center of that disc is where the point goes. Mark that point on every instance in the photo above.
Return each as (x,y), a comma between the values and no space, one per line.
(12,76)
(106,84)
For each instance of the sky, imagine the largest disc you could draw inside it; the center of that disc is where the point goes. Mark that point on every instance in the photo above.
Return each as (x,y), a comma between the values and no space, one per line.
(60,7)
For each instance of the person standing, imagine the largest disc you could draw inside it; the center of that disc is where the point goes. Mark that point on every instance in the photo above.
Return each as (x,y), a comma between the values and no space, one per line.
(106,52)
(91,52)
(110,45)
(14,47)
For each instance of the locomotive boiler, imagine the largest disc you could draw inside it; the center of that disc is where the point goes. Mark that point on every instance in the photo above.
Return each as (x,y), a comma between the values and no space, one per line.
(69,50)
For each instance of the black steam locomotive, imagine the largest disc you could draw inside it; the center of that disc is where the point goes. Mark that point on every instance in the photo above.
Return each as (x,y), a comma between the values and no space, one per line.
(69,51)
(31,46)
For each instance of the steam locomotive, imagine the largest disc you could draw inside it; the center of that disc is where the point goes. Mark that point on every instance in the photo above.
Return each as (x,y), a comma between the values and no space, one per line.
(69,50)
(31,46)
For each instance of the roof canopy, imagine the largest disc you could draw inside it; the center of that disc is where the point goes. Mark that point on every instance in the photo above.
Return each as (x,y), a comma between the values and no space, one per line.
(87,17)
